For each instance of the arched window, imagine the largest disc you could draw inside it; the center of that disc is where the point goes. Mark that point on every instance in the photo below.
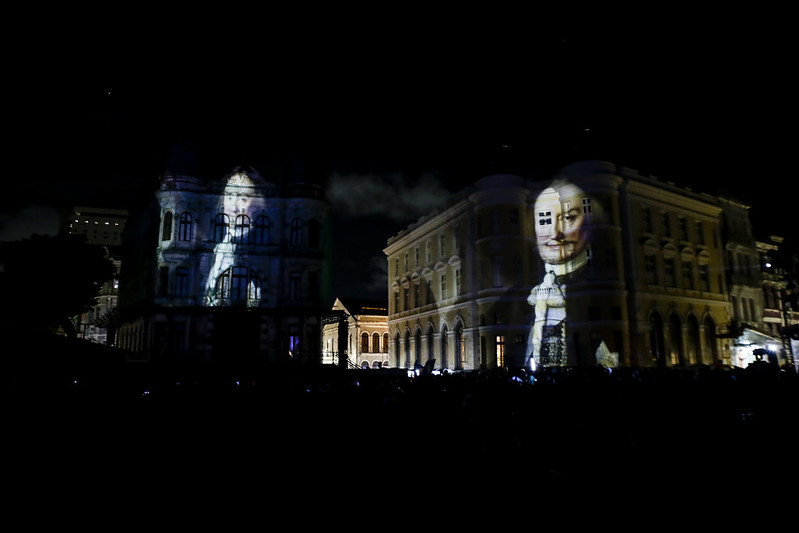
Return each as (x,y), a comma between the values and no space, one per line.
(444,347)
(385,342)
(263,230)
(407,349)
(295,236)
(222,228)
(656,345)
(430,344)
(241,230)
(185,227)
(238,283)
(711,346)
(694,342)
(375,342)
(397,349)
(166,231)
(675,332)
(460,347)
(417,343)
(364,342)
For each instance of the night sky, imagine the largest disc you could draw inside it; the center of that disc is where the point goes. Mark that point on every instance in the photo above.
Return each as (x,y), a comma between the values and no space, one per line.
(400,109)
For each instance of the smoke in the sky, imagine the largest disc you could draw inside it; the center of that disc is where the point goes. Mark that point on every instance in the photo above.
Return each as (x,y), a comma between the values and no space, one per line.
(394,196)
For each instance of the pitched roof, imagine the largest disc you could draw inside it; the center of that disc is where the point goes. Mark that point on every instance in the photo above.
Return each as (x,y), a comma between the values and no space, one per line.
(364,306)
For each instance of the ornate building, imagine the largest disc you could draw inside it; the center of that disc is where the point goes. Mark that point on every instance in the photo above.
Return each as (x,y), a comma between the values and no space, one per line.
(233,270)
(599,265)
(357,328)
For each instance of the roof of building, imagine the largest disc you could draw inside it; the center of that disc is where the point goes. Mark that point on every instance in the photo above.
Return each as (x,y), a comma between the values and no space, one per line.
(364,306)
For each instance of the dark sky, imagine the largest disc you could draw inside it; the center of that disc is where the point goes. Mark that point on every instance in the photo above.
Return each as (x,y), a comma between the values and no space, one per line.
(419,102)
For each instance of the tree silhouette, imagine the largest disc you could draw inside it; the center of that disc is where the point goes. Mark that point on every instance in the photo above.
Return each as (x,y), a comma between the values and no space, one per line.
(44,281)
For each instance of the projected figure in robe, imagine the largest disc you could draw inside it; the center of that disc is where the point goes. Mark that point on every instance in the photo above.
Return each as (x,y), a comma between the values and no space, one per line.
(230,280)
(562,235)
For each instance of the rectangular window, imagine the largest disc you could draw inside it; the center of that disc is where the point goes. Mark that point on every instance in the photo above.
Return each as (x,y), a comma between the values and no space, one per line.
(500,350)
(586,206)
(700,233)
(443,286)
(683,229)
(651,270)
(514,221)
(457,282)
(687,275)
(184,230)
(665,221)
(496,265)
(294,340)
(182,281)
(704,278)
(668,272)
(442,245)
(646,219)
(295,279)
(238,283)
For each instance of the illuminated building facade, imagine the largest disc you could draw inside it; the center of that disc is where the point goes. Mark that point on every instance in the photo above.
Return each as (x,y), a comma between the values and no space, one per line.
(234,271)
(358,327)
(599,265)
(459,280)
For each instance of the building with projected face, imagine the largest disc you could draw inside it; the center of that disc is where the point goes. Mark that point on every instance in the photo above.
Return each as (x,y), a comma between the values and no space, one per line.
(233,270)
(599,265)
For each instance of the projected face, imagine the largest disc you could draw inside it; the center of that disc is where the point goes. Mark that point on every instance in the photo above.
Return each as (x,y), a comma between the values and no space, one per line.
(561,227)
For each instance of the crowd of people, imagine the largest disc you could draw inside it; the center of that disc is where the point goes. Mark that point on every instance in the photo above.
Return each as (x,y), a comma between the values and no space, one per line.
(557,429)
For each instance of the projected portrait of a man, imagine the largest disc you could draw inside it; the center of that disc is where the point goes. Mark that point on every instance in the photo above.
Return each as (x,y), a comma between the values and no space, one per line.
(562,217)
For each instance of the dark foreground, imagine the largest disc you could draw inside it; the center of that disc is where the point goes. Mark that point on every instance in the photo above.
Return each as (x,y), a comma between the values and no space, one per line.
(379,439)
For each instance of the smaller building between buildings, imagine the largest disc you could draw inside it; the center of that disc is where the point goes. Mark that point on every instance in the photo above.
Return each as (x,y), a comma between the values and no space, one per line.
(357,329)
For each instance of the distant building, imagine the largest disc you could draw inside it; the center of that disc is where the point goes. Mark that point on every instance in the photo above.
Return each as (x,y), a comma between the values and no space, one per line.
(358,328)
(102,227)
(233,271)
(600,265)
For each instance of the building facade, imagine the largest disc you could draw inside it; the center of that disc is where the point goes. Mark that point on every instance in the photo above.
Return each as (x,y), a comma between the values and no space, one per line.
(358,329)
(101,227)
(233,271)
(599,265)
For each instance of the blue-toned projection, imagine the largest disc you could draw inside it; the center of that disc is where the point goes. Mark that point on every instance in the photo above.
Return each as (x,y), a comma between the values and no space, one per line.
(231,281)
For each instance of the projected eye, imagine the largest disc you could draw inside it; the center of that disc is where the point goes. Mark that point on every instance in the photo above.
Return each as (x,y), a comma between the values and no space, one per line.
(571,217)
